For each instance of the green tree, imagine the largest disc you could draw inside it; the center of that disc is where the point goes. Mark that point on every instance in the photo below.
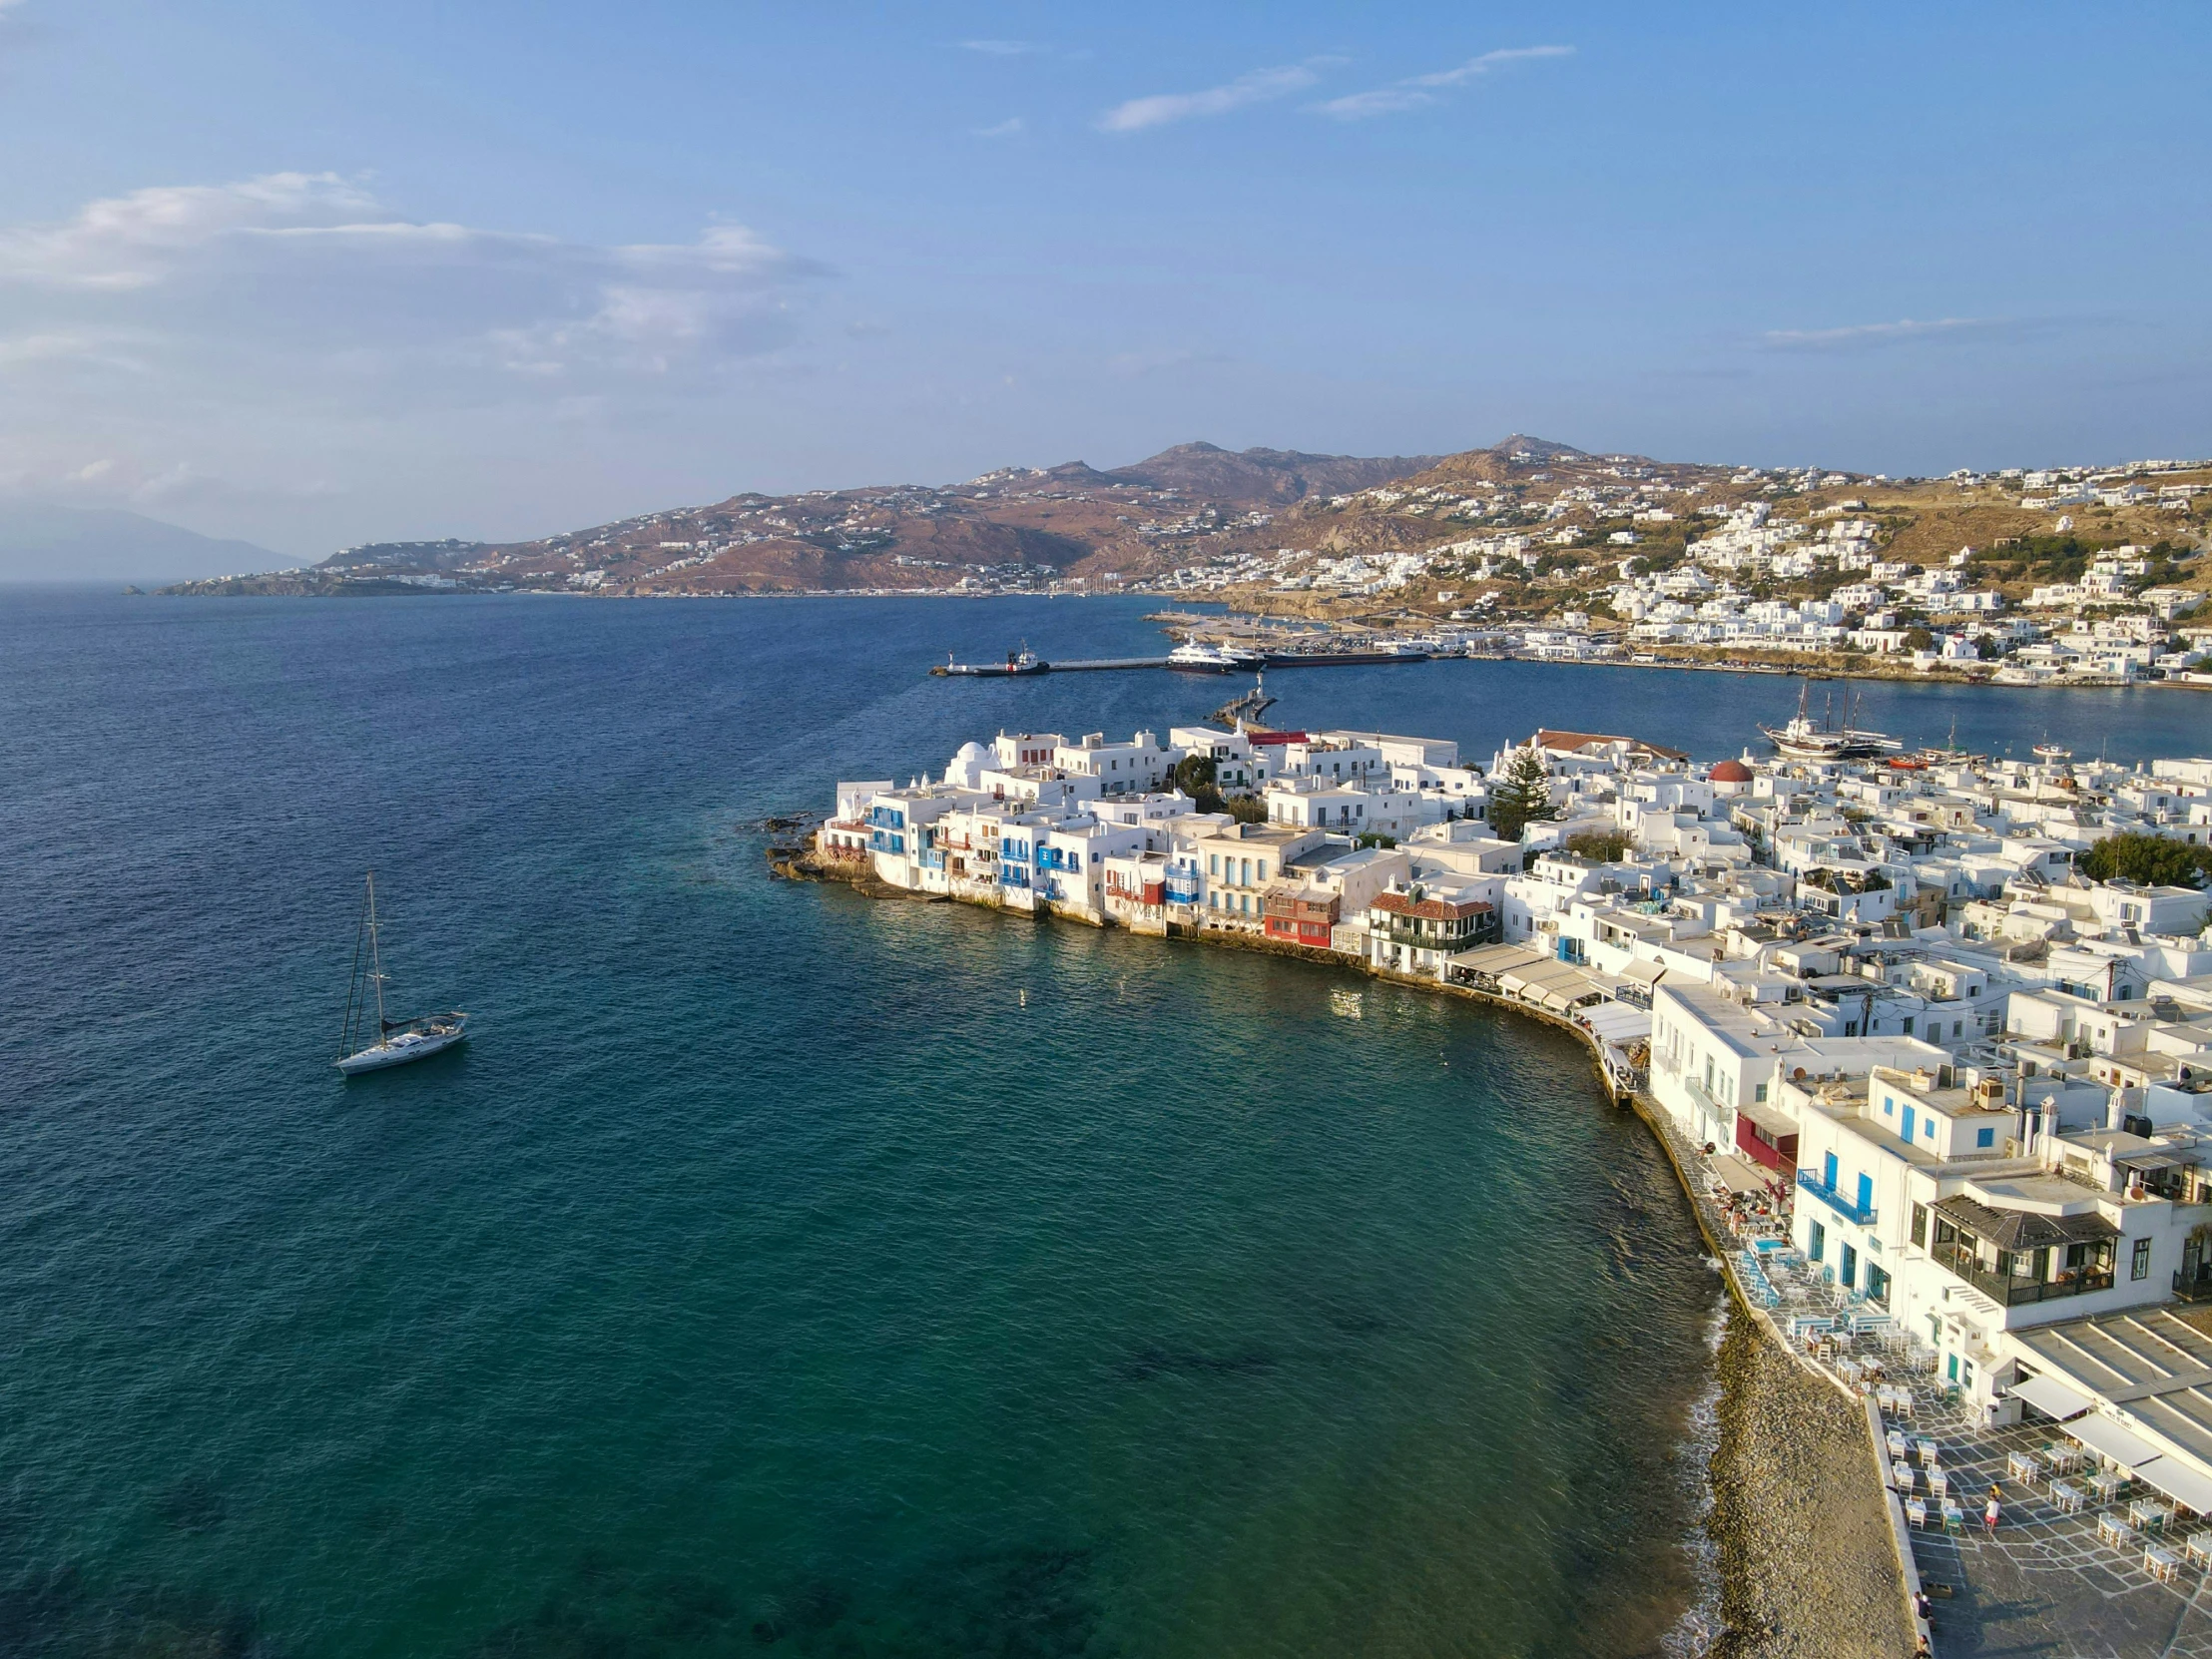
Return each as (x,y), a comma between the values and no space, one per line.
(1602,846)
(2149,861)
(1197,776)
(1919,639)
(1521,795)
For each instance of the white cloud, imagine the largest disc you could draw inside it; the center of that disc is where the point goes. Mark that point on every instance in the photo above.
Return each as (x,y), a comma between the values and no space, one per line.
(313,266)
(1417,91)
(1139,114)
(1882,333)
(1012,127)
(1003,48)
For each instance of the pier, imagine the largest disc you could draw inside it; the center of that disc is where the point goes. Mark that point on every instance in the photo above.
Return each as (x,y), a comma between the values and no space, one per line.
(999,671)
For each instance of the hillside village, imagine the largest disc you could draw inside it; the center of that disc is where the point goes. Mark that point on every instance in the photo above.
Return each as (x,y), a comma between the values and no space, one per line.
(1931,1039)
(2072,576)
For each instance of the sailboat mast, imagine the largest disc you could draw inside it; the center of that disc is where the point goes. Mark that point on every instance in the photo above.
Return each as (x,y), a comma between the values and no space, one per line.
(375,957)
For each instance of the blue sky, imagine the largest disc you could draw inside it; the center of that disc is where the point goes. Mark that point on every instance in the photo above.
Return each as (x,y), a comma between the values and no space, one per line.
(314,273)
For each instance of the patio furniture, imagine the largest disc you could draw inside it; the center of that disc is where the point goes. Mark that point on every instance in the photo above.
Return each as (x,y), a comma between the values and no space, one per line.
(2162,1564)
(1938,1483)
(2199,1548)
(2115,1531)
(2065,1497)
(2107,1484)
(1955,1518)
(2022,1465)
(1901,1473)
(2062,1459)
(1895,1438)
(1926,1448)
(1916,1510)
(2146,1517)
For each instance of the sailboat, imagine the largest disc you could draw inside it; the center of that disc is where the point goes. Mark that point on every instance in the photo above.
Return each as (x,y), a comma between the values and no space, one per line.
(394,1041)
(1804,739)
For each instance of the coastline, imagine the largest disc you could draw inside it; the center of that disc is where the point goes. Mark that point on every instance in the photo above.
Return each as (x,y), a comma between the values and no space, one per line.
(1797,1497)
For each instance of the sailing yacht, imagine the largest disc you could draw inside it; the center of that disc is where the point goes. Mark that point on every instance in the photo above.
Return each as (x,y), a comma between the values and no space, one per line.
(397,1042)
(1804,739)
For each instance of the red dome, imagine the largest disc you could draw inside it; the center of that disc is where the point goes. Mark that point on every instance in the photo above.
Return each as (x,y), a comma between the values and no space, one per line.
(1730,771)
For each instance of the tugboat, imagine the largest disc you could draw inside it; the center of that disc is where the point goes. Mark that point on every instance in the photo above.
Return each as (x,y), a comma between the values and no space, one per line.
(1803,740)
(397,1042)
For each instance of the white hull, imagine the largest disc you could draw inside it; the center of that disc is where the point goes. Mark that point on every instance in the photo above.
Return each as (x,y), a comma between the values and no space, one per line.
(403,1048)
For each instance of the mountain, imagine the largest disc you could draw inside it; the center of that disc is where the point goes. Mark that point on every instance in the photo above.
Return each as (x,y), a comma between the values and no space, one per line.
(41,542)
(1259,477)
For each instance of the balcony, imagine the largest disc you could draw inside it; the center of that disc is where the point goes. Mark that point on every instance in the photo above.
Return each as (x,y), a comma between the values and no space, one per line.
(1848,1209)
(2011,1290)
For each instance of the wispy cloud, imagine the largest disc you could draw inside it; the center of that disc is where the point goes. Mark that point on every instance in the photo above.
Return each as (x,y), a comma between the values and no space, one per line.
(1012,127)
(1416,91)
(1160,109)
(1005,48)
(1860,335)
(334,274)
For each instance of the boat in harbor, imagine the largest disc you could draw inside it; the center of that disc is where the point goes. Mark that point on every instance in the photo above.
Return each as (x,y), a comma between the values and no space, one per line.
(1345,658)
(1197,656)
(363,1046)
(1024,661)
(1804,739)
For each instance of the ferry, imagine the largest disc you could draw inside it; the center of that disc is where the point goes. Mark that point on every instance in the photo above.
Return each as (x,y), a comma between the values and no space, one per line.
(1024,661)
(1194,657)
(1345,658)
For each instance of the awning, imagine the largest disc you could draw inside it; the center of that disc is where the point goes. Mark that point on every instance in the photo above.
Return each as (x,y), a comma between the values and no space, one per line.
(1773,1119)
(2148,1160)
(1617,1022)
(2178,1482)
(2052,1397)
(1643,974)
(2122,1445)
(1738,1176)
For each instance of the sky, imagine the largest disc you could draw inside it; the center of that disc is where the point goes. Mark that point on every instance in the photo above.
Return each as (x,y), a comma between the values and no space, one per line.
(313,275)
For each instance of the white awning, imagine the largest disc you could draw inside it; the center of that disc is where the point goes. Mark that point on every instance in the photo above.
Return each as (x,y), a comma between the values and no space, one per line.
(2122,1445)
(1737,1175)
(2178,1482)
(1643,974)
(1617,1022)
(2050,1395)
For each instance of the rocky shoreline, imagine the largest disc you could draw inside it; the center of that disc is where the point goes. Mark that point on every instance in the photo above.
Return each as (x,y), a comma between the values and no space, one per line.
(1808,1569)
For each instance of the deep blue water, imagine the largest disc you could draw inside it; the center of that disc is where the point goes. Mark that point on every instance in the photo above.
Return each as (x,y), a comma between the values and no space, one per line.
(777,1272)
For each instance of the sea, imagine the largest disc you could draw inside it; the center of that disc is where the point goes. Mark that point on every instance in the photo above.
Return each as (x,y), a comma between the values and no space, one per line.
(777,1270)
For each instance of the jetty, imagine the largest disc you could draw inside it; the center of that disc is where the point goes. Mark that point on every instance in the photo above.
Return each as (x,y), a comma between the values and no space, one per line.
(1095,665)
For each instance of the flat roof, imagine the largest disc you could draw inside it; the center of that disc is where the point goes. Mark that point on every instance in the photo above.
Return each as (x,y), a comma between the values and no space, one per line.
(2154,1365)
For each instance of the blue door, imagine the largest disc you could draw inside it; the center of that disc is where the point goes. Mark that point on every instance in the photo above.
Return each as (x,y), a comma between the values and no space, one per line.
(1848,1268)
(1816,1241)
(1866,1193)
(1907,1131)
(1827,1172)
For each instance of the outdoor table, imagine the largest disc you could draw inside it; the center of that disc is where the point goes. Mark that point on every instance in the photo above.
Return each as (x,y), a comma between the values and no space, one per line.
(1953,1517)
(2107,1484)
(1896,1439)
(2199,1548)
(2065,1496)
(1916,1510)
(2162,1564)
(2115,1531)
(1938,1483)
(2022,1465)
(1902,1471)
(2062,1459)
(1926,1449)
(2146,1517)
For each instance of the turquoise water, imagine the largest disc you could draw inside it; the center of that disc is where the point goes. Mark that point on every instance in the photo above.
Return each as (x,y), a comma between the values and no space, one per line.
(776,1271)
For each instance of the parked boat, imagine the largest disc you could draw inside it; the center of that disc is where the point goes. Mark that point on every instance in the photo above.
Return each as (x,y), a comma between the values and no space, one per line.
(1194,657)
(1024,661)
(396,1041)
(1803,739)
(1345,659)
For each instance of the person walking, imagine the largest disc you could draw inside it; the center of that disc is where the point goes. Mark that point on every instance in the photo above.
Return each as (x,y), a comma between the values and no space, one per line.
(1990,1513)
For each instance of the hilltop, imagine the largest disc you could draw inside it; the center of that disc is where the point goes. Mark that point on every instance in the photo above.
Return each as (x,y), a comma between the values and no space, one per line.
(1523,528)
